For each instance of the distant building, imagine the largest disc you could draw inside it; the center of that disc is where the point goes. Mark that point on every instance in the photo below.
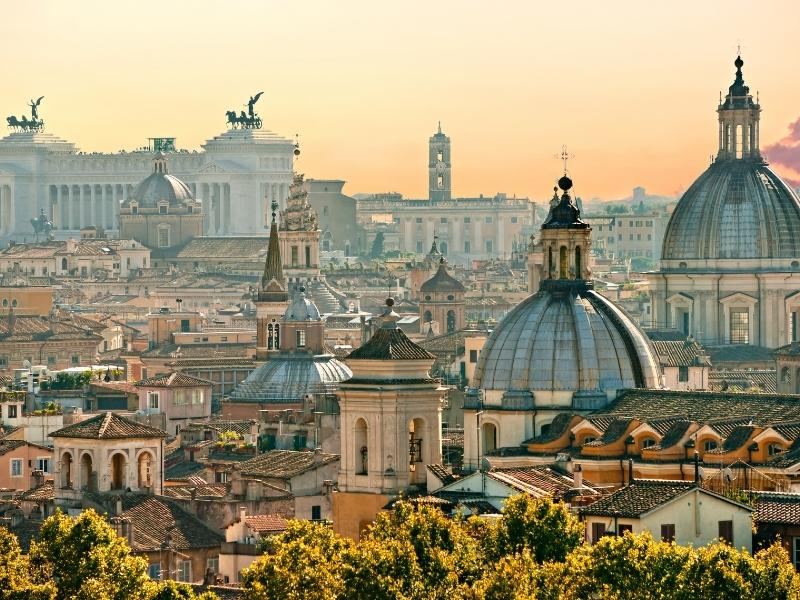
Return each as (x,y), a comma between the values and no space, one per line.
(629,235)
(337,217)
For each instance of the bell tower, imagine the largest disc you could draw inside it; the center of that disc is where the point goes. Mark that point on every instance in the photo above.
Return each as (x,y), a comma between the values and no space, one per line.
(272,298)
(439,167)
(739,121)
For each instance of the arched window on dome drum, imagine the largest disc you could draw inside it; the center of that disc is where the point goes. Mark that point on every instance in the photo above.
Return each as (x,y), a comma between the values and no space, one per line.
(578,267)
(270,336)
(277,336)
(451,321)
(563,267)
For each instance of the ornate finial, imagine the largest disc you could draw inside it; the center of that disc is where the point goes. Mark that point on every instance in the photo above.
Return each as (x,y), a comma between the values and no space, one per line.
(297,144)
(565,183)
(739,63)
(440,127)
(565,156)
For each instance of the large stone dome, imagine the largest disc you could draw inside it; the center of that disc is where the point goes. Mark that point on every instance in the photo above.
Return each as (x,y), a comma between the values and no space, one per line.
(737,209)
(288,379)
(160,186)
(568,339)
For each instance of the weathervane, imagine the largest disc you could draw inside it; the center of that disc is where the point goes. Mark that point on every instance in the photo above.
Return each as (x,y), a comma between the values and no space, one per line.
(248,120)
(25,124)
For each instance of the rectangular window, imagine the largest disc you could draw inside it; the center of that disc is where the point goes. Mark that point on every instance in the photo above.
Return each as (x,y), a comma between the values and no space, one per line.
(198,397)
(513,219)
(489,246)
(185,571)
(213,564)
(443,220)
(440,182)
(598,531)
(740,326)
(43,464)
(796,553)
(649,223)
(467,220)
(185,326)
(51,360)
(223,338)
(316,512)
(12,411)
(154,571)
(76,359)
(163,237)
(419,247)
(638,237)
(162,210)
(630,237)
(308,256)
(621,529)
(3,361)
(488,220)
(16,467)
(295,256)
(683,374)
(153,400)
(466,246)
(419,220)
(301,339)
(473,356)
(668,532)
(221,477)
(726,532)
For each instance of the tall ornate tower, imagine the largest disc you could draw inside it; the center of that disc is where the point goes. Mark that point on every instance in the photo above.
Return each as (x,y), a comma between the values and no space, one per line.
(738,121)
(439,166)
(272,298)
(299,234)
(391,424)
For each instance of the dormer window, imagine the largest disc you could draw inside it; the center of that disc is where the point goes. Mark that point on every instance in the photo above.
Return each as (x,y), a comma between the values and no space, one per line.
(162,209)
(134,209)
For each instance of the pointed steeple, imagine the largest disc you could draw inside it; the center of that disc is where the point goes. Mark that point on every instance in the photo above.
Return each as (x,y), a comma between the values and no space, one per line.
(273,285)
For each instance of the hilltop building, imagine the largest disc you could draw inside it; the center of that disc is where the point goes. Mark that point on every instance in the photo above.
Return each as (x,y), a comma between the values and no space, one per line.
(730,264)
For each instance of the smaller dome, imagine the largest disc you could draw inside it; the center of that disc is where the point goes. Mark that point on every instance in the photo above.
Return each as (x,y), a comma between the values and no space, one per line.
(442,281)
(301,308)
(160,186)
(287,379)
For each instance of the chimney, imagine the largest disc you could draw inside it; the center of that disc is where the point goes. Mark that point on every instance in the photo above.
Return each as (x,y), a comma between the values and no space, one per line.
(577,477)
(118,506)
(630,470)
(242,513)
(696,467)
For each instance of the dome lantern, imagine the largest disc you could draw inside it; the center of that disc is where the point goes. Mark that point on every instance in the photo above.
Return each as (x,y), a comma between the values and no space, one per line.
(739,121)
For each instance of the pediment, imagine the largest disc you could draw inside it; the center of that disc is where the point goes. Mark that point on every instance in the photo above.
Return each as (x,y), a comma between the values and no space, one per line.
(212,167)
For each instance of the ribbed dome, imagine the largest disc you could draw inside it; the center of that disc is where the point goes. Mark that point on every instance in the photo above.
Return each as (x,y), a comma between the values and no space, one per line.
(737,209)
(291,378)
(572,339)
(160,185)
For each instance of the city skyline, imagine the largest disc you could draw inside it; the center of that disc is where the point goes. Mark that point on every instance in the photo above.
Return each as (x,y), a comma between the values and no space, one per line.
(510,87)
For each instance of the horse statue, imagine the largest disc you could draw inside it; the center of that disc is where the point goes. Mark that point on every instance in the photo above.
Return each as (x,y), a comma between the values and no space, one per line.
(42,224)
(23,124)
(245,120)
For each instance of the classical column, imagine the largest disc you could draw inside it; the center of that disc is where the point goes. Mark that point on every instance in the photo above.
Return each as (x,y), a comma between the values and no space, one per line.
(226,204)
(60,203)
(103,199)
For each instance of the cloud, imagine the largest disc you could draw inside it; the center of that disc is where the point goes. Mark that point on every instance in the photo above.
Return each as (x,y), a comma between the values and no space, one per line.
(786,152)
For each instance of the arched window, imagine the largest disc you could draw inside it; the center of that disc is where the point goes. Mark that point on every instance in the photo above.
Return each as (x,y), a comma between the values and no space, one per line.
(87,475)
(64,264)
(563,268)
(428,316)
(451,321)
(270,336)
(360,449)
(145,470)
(578,268)
(119,467)
(416,434)
(66,470)
(489,435)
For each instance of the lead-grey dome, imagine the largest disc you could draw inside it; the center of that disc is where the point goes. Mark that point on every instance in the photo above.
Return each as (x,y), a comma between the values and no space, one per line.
(737,209)
(160,186)
(301,308)
(290,378)
(570,339)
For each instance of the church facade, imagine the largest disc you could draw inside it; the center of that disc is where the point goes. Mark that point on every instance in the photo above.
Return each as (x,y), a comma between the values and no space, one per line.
(730,264)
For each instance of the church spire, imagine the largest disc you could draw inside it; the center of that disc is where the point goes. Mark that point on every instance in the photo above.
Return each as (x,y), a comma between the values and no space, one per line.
(273,285)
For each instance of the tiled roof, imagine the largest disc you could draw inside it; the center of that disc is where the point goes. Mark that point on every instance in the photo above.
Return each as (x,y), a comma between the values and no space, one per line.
(450,344)
(7,445)
(152,516)
(25,328)
(614,431)
(183,469)
(390,344)
(209,490)
(673,435)
(285,464)
(704,407)
(638,498)
(539,480)
(792,349)
(558,427)
(443,474)
(665,335)
(122,387)
(266,523)
(766,380)
(249,248)
(777,507)
(686,353)
(186,363)
(739,353)
(108,426)
(173,380)
(42,493)
(736,438)
(242,427)
(442,281)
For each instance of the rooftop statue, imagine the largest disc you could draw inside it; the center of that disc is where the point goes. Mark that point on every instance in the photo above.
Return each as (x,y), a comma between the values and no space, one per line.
(251,120)
(25,124)
(42,224)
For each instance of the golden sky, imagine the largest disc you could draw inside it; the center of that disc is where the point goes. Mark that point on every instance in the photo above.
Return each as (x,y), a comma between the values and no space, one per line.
(631,87)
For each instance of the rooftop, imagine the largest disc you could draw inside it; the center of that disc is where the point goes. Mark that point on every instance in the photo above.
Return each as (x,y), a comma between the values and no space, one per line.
(108,426)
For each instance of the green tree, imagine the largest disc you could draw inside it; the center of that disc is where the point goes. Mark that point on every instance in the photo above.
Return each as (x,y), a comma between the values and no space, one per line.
(15,576)
(546,528)
(377,245)
(307,565)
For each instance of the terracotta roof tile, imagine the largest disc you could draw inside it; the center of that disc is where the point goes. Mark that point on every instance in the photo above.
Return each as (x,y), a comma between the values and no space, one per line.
(173,380)
(390,344)
(108,426)
(638,498)
(266,523)
(42,493)
(285,464)
(777,507)
(686,353)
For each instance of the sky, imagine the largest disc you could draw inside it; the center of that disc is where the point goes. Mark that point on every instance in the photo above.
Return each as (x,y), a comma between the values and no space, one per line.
(630,87)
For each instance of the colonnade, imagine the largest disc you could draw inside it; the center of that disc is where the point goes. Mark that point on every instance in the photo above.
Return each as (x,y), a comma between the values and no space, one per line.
(82,205)
(6,210)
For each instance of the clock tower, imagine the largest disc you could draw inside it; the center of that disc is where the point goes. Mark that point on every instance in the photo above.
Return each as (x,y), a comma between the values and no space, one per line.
(439,167)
